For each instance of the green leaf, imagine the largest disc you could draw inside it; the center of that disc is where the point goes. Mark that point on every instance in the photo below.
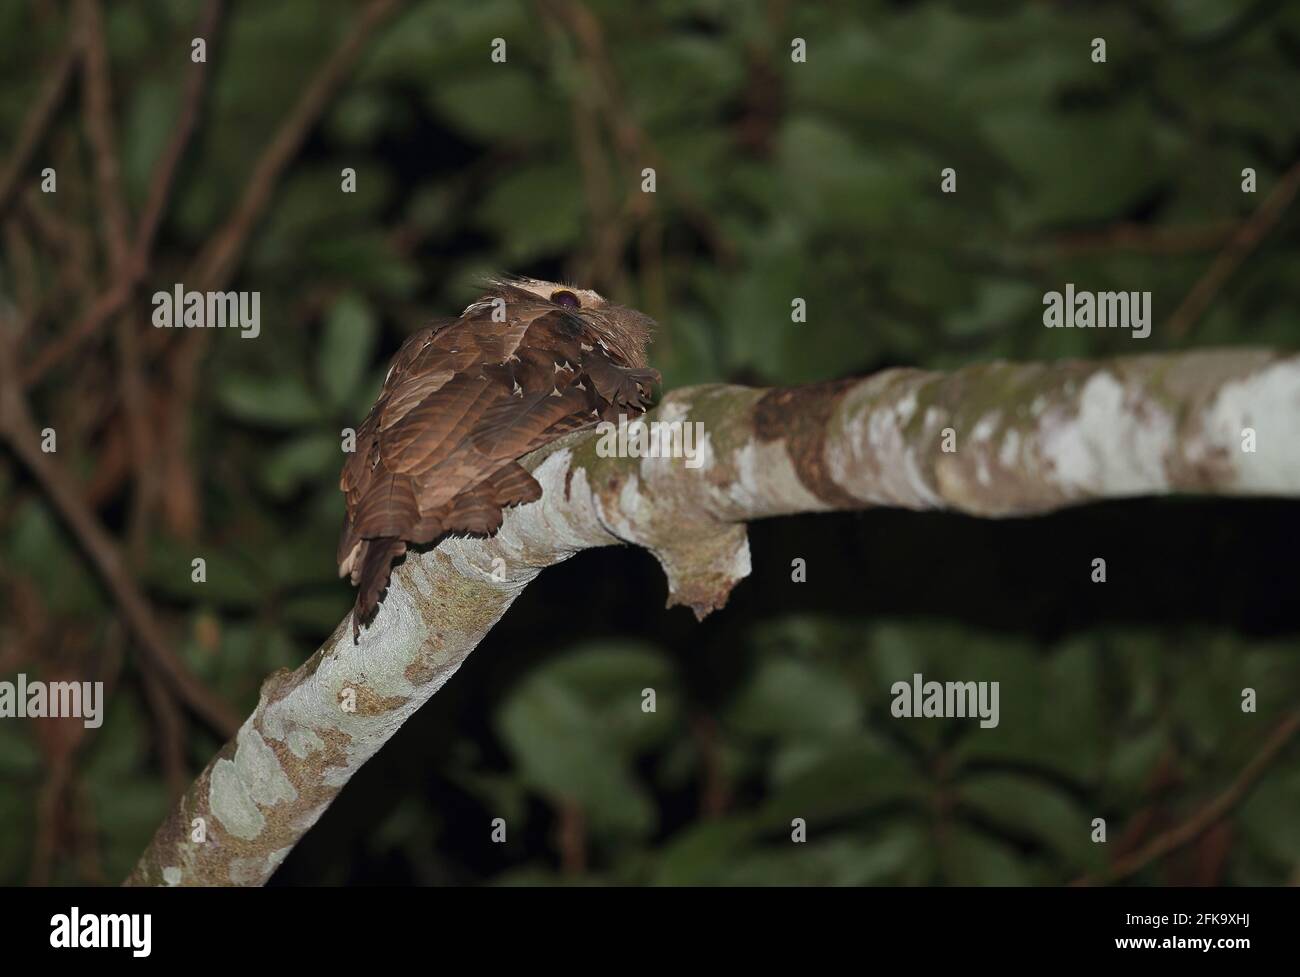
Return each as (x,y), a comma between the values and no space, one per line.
(1132,763)
(38,546)
(1114,159)
(148,125)
(304,459)
(702,851)
(282,401)
(318,612)
(1022,806)
(1268,817)
(367,259)
(496,106)
(534,211)
(831,177)
(560,752)
(972,857)
(1050,709)
(19,757)
(312,217)
(611,677)
(847,778)
(346,347)
(786,697)
(18,804)
(231,580)
(360,116)
(840,860)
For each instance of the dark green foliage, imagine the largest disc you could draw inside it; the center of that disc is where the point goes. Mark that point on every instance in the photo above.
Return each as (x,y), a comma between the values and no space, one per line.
(775,181)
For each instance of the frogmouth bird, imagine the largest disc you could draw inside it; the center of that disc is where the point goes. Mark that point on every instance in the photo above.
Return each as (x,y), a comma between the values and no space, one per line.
(466,398)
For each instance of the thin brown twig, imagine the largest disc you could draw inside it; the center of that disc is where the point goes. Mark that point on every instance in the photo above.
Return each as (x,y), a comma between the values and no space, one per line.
(654,285)
(714,793)
(164,171)
(1159,783)
(50,818)
(98,117)
(107,305)
(764,93)
(571,838)
(19,430)
(631,140)
(118,294)
(1213,812)
(59,742)
(23,257)
(127,263)
(171,730)
(111,203)
(599,263)
(88,858)
(1128,236)
(68,241)
(217,260)
(37,121)
(1230,258)
(23,439)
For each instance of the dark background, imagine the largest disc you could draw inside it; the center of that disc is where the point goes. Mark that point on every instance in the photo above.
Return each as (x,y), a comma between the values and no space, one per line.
(775,180)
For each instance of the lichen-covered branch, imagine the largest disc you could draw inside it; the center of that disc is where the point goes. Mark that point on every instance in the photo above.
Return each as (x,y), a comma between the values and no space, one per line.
(996,439)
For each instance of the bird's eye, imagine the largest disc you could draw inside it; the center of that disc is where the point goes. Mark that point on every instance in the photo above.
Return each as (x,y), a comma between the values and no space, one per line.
(566,298)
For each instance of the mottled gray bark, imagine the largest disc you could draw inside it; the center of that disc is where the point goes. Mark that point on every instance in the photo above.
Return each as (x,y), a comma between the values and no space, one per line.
(998,439)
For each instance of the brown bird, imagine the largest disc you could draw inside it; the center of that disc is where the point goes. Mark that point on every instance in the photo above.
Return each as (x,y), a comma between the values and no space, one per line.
(464,399)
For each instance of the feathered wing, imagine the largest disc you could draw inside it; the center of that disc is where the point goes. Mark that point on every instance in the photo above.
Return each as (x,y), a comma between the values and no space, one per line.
(463,401)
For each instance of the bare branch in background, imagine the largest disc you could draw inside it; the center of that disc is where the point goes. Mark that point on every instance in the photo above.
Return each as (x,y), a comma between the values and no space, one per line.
(129,261)
(36,123)
(1210,815)
(1243,242)
(220,256)
(214,266)
(135,262)
(19,431)
(164,171)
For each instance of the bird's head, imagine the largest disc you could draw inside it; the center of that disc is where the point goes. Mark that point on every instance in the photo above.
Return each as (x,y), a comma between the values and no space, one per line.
(623,330)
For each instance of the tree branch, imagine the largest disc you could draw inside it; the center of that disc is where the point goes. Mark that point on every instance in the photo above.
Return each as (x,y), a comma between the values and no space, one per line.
(1242,243)
(216,263)
(36,123)
(135,267)
(995,439)
(1212,813)
(19,431)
